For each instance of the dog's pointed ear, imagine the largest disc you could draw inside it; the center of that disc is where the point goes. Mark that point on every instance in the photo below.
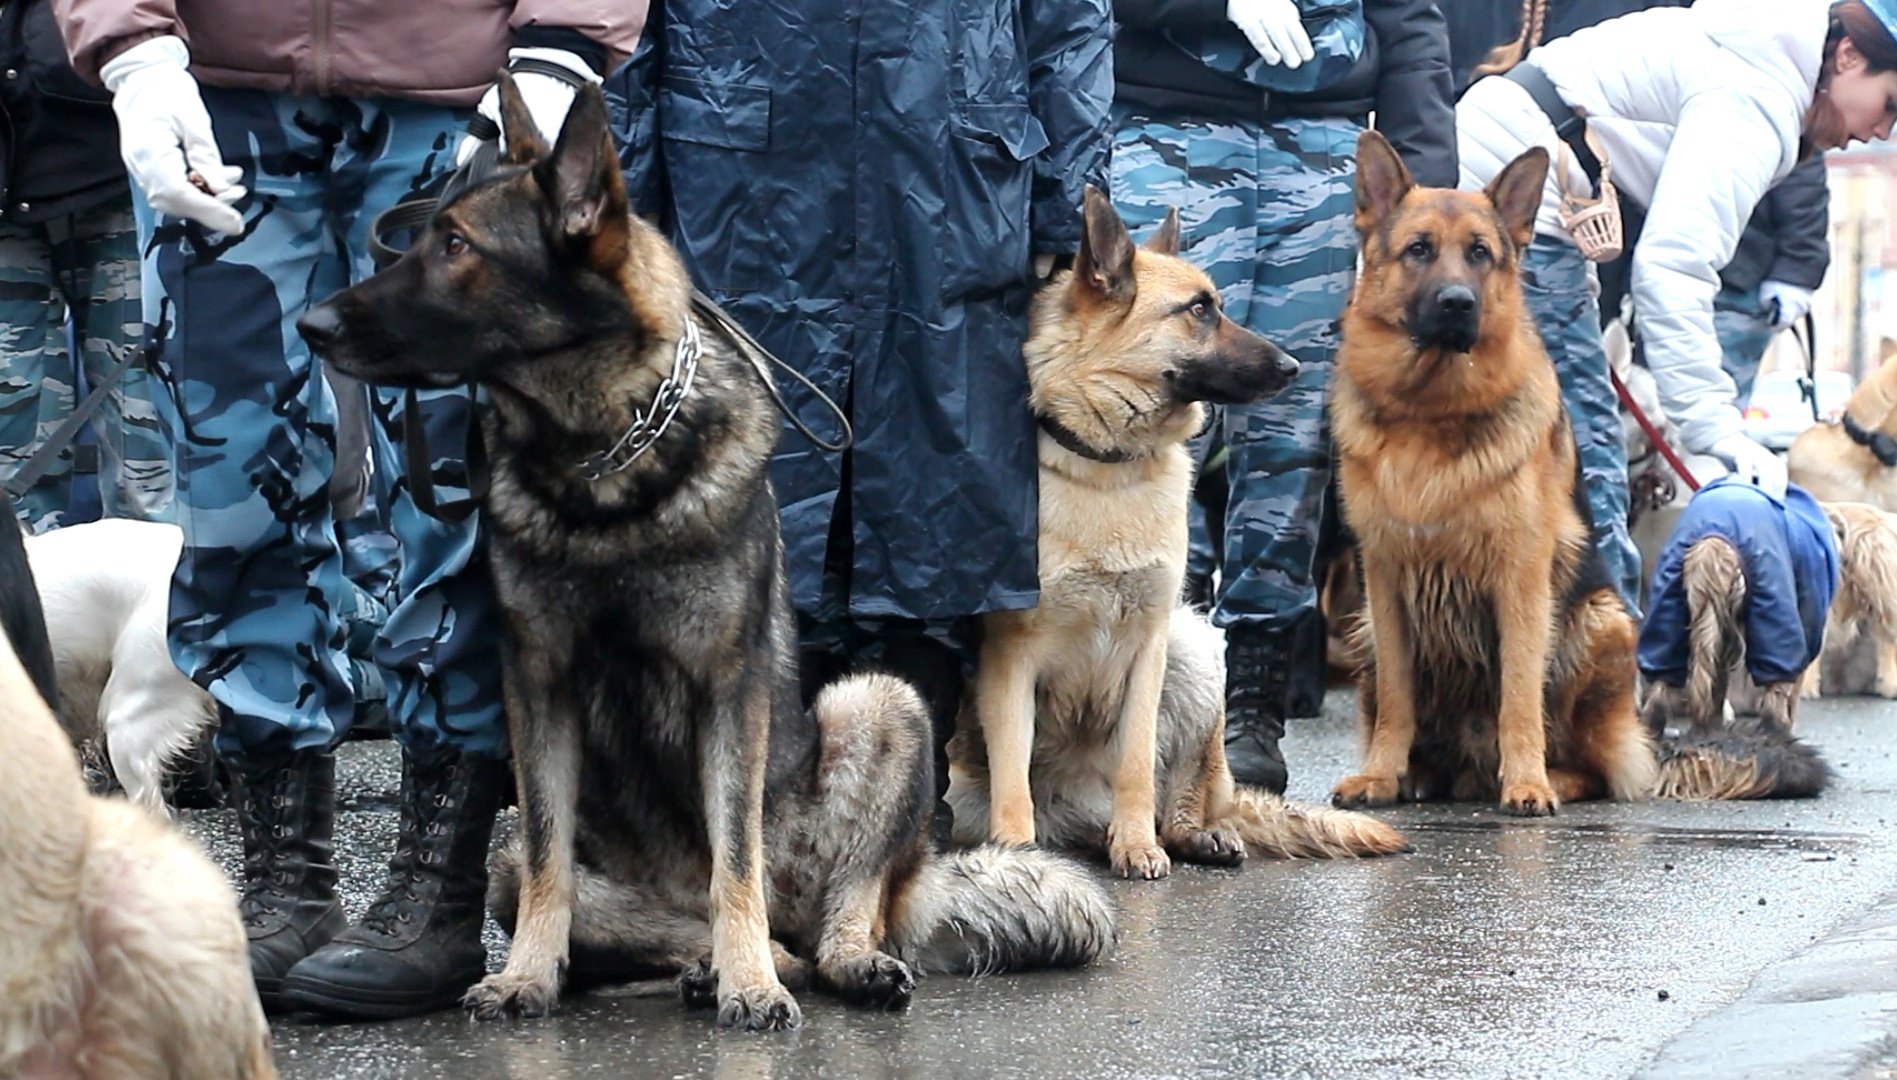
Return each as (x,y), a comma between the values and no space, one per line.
(1516,193)
(1104,265)
(524,142)
(583,181)
(1382,180)
(1166,240)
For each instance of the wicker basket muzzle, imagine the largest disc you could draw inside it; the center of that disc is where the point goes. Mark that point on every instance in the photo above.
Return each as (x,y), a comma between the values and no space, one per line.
(1593,222)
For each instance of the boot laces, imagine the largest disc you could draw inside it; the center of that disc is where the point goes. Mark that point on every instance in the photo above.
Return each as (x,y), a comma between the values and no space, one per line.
(264,819)
(416,864)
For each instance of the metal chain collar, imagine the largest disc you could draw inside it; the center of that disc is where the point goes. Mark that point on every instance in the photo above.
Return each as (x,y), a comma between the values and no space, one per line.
(649,425)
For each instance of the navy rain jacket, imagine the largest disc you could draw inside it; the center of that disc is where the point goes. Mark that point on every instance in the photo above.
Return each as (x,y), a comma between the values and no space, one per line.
(863,185)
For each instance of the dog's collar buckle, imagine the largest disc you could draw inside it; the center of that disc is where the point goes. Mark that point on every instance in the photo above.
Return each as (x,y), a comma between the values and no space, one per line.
(1068,440)
(1881,446)
(648,425)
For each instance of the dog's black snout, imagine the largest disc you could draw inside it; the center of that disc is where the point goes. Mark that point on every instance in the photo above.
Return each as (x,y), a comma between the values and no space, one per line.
(320,326)
(1456,300)
(1287,364)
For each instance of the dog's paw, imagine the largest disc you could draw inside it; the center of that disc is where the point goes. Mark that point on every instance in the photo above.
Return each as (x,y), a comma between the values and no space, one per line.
(759,1008)
(1139,859)
(505,994)
(1210,847)
(1012,830)
(1363,790)
(1529,799)
(698,985)
(874,979)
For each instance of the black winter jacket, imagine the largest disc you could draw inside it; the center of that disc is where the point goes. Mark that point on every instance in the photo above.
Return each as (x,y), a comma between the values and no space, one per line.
(1403,76)
(59,143)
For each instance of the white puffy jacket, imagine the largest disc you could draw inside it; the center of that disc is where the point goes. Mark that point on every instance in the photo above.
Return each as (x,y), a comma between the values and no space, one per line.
(1700,110)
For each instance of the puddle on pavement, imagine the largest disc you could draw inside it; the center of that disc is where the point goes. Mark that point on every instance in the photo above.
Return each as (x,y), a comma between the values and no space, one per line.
(1797,840)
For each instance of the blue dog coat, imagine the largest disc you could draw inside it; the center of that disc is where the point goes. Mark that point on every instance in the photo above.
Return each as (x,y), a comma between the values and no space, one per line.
(1790,556)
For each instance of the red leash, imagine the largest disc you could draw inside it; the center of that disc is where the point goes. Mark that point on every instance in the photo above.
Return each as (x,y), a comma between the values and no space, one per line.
(1653,433)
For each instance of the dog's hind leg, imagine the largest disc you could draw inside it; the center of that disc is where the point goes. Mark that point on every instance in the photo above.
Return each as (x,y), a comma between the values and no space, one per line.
(875,784)
(624,931)
(544,727)
(150,719)
(1610,745)
(1778,705)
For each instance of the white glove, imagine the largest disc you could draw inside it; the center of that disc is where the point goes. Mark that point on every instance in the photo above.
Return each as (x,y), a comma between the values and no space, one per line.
(165,135)
(1274,28)
(548,99)
(1752,463)
(1784,304)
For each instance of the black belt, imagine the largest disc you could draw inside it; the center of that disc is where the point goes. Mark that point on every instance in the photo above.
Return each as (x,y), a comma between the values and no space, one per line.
(1568,123)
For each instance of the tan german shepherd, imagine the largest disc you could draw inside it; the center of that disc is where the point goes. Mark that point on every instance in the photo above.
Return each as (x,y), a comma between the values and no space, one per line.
(1098,718)
(1500,659)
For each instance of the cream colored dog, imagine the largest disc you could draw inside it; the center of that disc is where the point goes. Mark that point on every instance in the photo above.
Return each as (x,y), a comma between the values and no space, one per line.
(123,956)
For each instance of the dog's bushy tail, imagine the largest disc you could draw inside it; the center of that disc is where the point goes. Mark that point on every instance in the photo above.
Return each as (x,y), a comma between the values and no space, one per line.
(991,909)
(1761,763)
(1715,596)
(1275,826)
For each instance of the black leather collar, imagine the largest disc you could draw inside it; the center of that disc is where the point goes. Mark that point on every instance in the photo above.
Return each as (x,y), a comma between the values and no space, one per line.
(1065,436)
(1881,446)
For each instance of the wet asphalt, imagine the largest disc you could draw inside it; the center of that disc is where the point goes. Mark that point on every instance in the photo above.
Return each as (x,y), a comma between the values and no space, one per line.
(1661,940)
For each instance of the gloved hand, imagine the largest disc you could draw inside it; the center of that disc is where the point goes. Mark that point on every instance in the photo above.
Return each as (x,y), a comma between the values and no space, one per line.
(165,135)
(1784,304)
(1043,266)
(1752,463)
(548,99)
(1274,28)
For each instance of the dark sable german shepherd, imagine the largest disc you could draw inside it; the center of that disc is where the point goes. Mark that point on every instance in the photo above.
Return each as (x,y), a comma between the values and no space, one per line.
(1500,659)
(680,811)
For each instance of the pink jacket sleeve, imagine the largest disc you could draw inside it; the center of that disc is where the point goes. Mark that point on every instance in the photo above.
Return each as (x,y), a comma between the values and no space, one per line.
(613,23)
(90,27)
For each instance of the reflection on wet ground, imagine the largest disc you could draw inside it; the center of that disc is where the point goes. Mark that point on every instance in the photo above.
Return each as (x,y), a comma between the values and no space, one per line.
(1581,946)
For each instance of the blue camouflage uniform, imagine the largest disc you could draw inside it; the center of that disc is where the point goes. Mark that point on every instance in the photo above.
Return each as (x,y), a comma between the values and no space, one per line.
(262,607)
(85,266)
(1259,161)
(68,250)
(1790,556)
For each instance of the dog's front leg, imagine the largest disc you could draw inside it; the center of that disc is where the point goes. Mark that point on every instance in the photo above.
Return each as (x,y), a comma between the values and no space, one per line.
(1132,837)
(1004,698)
(1393,714)
(732,761)
(544,728)
(1524,623)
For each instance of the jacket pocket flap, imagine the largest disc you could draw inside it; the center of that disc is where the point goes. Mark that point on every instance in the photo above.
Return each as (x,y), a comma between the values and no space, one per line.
(1012,125)
(734,116)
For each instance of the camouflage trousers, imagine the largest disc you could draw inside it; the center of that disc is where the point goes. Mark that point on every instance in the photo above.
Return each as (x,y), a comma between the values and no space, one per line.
(1266,211)
(1557,284)
(84,266)
(260,603)
(1745,331)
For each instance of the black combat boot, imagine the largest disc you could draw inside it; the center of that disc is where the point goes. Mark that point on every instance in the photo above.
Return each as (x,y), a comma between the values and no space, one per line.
(1257,672)
(418,947)
(286,809)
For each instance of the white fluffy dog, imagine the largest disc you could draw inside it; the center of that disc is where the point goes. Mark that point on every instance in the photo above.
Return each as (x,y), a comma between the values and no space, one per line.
(106,588)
